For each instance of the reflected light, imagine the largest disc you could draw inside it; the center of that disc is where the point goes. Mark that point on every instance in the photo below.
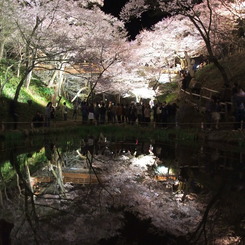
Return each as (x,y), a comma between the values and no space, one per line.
(176,182)
(143,161)
(162,170)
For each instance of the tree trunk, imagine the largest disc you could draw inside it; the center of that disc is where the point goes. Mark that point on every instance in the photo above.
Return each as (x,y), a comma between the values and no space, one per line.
(28,176)
(28,80)
(77,94)
(55,95)
(18,68)
(19,86)
(221,70)
(2,49)
(60,81)
(51,82)
(206,38)
(92,88)
(60,78)
(19,65)
(216,62)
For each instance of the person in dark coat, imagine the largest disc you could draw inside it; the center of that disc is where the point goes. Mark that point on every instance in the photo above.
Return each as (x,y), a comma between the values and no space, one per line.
(38,120)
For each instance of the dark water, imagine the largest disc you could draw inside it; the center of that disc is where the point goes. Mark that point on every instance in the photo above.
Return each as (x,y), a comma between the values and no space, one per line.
(209,177)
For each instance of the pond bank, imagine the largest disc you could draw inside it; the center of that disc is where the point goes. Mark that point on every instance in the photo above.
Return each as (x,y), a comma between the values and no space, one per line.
(233,137)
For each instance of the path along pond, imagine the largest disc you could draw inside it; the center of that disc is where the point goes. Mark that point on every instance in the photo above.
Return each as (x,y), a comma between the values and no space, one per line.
(100,189)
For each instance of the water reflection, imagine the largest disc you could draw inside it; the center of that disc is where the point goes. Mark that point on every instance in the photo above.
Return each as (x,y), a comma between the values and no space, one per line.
(95,185)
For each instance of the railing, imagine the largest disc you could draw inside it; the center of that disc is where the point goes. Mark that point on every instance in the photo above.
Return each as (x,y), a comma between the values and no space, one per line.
(195,99)
(206,94)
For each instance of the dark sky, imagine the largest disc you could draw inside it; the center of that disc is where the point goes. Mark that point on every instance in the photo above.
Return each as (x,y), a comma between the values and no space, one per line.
(147,20)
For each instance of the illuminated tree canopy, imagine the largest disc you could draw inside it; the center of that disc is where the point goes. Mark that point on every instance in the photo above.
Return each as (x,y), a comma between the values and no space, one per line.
(66,34)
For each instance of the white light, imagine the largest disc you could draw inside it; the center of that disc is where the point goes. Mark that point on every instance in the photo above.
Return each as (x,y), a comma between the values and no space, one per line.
(143,161)
(144,93)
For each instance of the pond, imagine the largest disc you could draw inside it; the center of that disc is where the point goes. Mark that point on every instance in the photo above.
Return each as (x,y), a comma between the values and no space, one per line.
(102,190)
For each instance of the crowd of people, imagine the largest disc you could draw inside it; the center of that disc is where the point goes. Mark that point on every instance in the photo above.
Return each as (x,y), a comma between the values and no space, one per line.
(163,114)
(236,97)
(233,97)
(238,102)
(141,113)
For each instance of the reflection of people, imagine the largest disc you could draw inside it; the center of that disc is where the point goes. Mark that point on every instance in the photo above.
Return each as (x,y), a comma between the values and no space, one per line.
(49,150)
(37,120)
(13,113)
(87,145)
(48,114)
(90,144)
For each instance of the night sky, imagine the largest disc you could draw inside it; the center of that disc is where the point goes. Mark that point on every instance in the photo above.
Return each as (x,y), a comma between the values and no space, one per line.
(136,25)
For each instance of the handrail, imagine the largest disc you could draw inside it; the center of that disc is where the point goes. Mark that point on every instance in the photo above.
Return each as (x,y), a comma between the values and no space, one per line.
(205,97)
(211,90)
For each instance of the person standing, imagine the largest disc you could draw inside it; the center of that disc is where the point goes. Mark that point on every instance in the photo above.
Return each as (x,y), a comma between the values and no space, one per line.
(65,111)
(139,113)
(212,113)
(47,114)
(239,108)
(91,113)
(132,114)
(158,114)
(147,114)
(102,113)
(110,112)
(84,110)
(75,109)
(216,112)
(119,111)
(96,112)
(37,120)
(164,114)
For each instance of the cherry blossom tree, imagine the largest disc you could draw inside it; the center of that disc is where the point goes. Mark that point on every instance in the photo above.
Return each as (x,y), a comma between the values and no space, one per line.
(157,49)
(126,81)
(29,21)
(94,39)
(7,26)
(153,53)
(104,45)
(60,34)
(206,16)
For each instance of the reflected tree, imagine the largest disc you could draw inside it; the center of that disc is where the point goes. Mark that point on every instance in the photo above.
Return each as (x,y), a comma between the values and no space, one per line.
(29,200)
